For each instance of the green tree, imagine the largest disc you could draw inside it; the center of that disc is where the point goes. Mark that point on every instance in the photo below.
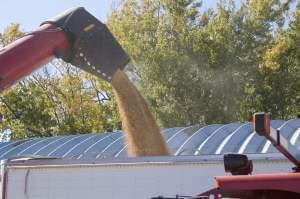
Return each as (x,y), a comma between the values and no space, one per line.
(281,71)
(192,65)
(199,66)
(10,34)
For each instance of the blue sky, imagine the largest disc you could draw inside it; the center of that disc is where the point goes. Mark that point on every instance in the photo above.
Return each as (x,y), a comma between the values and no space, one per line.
(30,13)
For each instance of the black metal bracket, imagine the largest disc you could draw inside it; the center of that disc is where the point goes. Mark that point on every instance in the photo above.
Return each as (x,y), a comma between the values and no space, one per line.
(92,46)
(296,169)
(237,164)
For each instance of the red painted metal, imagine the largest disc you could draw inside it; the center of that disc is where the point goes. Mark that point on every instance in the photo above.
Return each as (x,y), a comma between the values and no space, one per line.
(280,182)
(26,54)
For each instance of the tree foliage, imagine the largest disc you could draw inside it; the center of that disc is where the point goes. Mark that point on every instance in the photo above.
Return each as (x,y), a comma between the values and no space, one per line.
(193,65)
(214,65)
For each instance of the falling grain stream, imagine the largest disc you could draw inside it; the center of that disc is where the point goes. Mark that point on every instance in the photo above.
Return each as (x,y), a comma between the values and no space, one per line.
(141,130)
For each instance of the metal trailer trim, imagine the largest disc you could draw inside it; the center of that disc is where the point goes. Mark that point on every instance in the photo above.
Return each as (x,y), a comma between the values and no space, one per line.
(208,159)
(4,179)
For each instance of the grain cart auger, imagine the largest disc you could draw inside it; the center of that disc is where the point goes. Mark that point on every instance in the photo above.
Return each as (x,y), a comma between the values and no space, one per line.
(79,38)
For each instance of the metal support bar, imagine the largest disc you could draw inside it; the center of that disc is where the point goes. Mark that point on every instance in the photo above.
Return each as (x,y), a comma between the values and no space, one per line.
(262,127)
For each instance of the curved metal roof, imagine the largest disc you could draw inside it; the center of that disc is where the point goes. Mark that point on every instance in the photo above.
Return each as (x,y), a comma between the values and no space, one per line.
(192,140)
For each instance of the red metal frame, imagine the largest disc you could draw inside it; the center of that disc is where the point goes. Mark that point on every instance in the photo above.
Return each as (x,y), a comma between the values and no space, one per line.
(29,52)
(261,124)
(264,186)
(281,181)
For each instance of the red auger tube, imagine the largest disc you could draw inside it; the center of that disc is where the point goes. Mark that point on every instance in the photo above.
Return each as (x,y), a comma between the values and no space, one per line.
(26,54)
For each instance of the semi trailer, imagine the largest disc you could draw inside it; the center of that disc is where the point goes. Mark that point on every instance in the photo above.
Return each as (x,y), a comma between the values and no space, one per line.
(134,178)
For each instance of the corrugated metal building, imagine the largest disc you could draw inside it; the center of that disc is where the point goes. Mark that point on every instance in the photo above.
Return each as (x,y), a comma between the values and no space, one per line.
(193,141)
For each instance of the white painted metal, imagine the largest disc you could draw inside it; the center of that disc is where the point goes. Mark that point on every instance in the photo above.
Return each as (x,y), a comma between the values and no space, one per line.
(295,137)
(107,147)
(52,142)
(30,146)
(124,147)
(5,146)
(204,142)
(78,144)
(268,143)
(224,142)
(266,146)
(90,147)
(188,139)
(60,146)
(128,180)
(178,132)
(246,142)
(14,148)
